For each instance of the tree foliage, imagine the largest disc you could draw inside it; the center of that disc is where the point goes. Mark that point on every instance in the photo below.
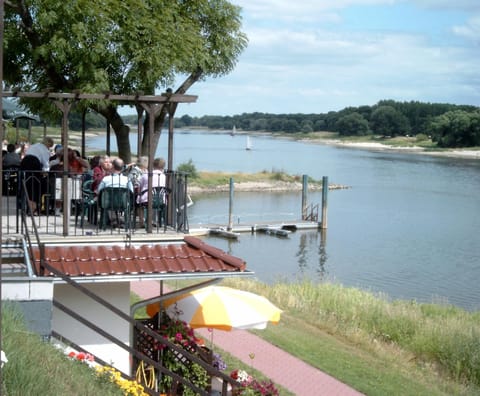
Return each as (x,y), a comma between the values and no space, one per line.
(125,47)
(449,125)
(353,124)
(456,129)
(387,121)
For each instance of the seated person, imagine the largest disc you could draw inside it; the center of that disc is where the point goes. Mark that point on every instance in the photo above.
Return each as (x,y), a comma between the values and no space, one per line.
(116,178)
(135,170)
(76,164)
(36,165)
(11,158)
(158,180)
(99,171)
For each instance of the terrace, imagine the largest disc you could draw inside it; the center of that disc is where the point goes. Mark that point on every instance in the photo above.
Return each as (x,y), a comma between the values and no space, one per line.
(70,272)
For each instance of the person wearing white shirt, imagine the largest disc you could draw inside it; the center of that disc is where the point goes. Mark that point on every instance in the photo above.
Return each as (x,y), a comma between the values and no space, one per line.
(158,180)
(36,160)
(116,178)
(42,152)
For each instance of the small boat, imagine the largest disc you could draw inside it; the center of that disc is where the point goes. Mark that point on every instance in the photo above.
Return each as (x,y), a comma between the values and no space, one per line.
(249,144)
(234,131)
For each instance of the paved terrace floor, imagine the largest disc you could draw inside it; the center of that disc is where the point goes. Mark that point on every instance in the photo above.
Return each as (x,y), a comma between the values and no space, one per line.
(282,368)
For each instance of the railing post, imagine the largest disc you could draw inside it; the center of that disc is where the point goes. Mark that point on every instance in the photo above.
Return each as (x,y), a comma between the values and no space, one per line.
(324,202)
(230,207)
(304,196)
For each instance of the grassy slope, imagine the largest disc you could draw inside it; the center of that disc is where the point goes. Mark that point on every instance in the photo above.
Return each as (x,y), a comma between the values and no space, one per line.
(360,359)
(37,368)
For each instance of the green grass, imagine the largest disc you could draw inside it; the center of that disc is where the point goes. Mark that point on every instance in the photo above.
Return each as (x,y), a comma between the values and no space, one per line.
(37,368)
(376,346)
(214,179)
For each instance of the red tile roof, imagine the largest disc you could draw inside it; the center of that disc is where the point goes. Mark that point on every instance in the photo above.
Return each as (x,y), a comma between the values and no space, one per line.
(193,256)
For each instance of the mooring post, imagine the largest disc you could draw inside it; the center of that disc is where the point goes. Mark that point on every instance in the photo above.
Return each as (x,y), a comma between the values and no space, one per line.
(230,207)
(304,196)
(324,202)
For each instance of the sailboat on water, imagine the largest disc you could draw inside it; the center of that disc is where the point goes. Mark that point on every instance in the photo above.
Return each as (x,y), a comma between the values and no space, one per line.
(234,131)
(249,143)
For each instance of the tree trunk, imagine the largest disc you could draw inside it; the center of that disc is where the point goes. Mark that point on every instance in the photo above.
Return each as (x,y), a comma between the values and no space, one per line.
(160,120)
(122,132)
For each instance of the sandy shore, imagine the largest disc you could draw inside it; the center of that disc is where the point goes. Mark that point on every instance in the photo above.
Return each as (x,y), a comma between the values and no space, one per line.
(453,153)
(265,186)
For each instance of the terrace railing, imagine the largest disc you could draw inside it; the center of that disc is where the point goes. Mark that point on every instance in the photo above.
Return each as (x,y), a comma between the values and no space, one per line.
(46,195)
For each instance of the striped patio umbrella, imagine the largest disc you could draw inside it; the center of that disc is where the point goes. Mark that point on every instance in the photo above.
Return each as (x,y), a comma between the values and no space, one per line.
(219,307)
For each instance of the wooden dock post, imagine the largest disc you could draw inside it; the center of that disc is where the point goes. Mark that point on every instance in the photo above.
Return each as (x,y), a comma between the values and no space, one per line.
(230,207)
(304,196)
(324,202)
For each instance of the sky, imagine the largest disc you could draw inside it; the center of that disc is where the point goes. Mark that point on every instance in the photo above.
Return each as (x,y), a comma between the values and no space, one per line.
(316,56)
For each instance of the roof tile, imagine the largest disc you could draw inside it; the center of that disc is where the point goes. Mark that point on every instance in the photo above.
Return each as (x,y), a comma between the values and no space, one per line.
(193,256)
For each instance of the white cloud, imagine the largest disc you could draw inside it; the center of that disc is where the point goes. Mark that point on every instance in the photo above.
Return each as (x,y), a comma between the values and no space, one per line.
(470,30)
(301,67)
(467,5)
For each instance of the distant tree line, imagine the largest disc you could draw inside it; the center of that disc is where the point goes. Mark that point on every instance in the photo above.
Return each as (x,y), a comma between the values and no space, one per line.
(448,125)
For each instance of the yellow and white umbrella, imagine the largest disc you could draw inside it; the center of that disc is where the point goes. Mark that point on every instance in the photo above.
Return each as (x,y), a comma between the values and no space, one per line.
(219,307)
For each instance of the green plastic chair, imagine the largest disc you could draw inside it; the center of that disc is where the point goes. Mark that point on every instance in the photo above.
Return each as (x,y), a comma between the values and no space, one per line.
(88,205)
(159,205)
(118,201)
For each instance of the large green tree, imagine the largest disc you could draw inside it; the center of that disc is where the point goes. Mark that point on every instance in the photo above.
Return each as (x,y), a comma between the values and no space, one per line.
(352,124)
(456,129)
(387,121)
(119,46)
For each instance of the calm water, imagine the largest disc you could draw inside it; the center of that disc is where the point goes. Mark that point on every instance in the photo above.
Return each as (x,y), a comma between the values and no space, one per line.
(408,226)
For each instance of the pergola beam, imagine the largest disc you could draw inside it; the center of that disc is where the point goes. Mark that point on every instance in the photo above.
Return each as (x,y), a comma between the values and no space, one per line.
(151,104)
(165,98)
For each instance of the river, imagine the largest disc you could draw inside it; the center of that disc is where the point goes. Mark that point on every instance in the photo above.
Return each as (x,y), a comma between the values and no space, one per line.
(408,226)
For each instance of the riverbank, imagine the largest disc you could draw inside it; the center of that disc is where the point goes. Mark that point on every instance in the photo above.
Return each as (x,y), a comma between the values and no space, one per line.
(212,182)
(397,144)
(403,144)
(451,153)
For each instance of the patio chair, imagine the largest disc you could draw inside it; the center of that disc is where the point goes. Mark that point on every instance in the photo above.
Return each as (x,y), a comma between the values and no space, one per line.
(87,206)
(115,203)
(10,180)
(159,206)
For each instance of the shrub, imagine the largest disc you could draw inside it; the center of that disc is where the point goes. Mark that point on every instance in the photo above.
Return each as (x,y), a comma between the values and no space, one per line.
(189,168)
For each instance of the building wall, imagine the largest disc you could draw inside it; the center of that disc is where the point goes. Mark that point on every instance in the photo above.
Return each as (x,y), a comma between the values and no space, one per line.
(34,297)
(117,294)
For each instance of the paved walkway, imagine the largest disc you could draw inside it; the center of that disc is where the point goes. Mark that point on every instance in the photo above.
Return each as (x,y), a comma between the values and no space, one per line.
(282,368)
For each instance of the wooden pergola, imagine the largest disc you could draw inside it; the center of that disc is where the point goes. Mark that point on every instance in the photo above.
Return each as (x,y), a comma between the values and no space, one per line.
(151,104)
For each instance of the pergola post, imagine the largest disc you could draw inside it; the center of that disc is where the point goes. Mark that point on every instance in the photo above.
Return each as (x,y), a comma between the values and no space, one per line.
(152,111)
(65,106)
(152,104)
(139,129)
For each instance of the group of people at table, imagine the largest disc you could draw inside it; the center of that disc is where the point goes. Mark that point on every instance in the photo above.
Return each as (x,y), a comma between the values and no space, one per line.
(46,167)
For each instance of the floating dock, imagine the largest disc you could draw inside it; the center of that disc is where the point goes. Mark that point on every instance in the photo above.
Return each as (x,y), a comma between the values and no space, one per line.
(278,229)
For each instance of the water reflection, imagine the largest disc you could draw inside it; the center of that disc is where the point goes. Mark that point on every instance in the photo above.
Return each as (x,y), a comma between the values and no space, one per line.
(302,254)
(322,254)
(309,246)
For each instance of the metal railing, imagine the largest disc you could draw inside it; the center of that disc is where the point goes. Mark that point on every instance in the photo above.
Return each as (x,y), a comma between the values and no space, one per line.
(187,356)
(310,213)
(41,194)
